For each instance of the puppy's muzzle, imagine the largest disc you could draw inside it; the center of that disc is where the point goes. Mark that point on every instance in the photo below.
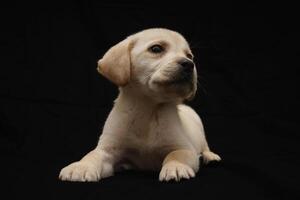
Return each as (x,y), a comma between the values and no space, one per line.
(185,71)
(187,66)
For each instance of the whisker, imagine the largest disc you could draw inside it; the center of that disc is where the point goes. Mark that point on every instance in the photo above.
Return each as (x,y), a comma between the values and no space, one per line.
(201,86)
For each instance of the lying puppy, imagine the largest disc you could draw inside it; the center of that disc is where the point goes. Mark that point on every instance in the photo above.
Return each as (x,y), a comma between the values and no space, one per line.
(149,127)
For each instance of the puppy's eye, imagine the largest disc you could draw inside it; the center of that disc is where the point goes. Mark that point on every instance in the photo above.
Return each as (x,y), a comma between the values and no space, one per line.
(156,48)
(190,56)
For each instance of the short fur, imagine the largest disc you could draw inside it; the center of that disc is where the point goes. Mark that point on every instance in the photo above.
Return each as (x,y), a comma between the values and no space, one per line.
(149,127)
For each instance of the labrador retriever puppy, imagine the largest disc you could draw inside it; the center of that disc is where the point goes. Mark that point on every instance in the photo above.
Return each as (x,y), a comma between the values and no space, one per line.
(149,127)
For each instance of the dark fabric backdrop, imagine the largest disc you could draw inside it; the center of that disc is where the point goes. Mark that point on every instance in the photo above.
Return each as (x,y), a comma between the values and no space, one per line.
(53,103)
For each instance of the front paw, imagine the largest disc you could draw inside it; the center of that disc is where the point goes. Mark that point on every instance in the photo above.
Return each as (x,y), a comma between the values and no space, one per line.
(176,171)
(209,156)
(80,171)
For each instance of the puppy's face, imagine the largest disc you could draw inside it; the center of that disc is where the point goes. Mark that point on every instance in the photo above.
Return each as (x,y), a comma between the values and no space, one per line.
(160,65)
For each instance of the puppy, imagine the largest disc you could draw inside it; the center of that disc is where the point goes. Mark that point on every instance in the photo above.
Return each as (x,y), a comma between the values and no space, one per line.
(149,127)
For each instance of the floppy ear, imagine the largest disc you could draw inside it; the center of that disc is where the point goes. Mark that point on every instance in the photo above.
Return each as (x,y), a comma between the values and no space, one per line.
(115,64)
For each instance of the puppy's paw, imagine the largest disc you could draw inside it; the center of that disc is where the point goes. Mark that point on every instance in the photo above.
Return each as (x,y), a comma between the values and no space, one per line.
(209,156)
(176,171)
(80,171)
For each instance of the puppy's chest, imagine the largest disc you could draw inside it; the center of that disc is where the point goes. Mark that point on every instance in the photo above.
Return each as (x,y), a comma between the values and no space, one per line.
(145,141)
(149,137)
(152,130)
(145,151)
(145,133)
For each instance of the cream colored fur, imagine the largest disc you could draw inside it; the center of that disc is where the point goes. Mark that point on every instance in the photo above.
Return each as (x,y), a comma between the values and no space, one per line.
(149,127)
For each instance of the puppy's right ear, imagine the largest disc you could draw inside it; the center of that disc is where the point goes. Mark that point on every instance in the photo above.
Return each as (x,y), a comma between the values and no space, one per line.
(116,63)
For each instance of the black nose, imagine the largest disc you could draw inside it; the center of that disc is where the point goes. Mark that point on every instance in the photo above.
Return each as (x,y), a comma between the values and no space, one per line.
(187,65)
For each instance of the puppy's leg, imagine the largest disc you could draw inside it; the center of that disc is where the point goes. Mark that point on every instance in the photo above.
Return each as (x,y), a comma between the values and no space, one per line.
(95,165)
(209,156)
(179,164)
(195,132)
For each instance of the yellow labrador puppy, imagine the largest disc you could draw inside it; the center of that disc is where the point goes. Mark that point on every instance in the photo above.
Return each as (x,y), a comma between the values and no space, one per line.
(149,127)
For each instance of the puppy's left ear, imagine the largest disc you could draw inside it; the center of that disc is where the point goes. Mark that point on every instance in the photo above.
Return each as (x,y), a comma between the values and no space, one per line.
(116,63)
(194,89)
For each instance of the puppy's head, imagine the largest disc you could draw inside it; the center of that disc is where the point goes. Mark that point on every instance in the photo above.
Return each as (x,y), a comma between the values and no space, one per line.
(155,62)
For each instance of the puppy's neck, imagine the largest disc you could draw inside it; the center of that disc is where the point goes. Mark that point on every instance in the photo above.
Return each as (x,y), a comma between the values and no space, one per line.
(139,111)
(129,98)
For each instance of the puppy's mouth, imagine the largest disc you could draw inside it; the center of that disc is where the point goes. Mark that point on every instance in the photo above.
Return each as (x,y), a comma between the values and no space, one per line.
(177,79)
(181,79)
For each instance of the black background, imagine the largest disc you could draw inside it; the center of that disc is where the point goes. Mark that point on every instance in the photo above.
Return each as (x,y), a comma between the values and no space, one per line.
(53,103)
